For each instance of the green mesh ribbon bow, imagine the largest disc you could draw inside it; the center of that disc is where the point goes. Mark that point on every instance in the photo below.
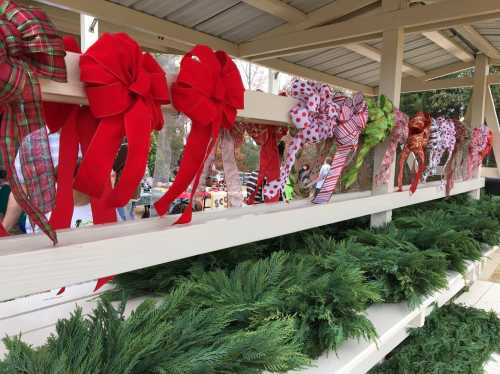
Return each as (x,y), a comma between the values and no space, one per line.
(380,123)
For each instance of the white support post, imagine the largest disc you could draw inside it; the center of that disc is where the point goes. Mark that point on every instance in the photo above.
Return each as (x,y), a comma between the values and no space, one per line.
(478,103)
(273,81)
(494,125)
(89,31)
(390,86)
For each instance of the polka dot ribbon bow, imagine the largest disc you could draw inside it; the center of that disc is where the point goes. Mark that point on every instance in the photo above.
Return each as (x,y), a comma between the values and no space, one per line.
(209,91)
(419,129)
(353,116)
(442,139)
(479,147)
(315,115)
(30,48)
(399,135)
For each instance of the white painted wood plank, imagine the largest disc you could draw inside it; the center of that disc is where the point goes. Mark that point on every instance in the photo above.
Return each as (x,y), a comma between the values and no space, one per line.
(29,265)
(474,294)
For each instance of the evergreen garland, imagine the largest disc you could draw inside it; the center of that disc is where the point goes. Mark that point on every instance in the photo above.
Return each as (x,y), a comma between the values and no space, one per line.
(271,305)
(455,339)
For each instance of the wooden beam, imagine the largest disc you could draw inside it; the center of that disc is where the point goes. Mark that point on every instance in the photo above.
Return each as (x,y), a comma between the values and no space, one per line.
(294,69)
(278,9)
(493,123)
(411,84)
(449,45)
(479,41)
(432,16)
(374,54)
(335,10)
(160,28)
(447,70)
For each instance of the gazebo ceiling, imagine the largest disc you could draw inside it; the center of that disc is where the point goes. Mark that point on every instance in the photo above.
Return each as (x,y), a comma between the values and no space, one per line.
(239,25)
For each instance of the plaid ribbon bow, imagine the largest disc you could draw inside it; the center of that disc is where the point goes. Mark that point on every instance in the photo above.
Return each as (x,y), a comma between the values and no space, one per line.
(29,48)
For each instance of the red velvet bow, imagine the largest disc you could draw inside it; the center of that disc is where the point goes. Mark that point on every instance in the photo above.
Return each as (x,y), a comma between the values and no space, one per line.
(208,90)
(125,88)
(77,126)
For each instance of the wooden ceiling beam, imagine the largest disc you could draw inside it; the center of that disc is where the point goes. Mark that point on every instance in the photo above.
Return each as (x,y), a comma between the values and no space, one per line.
(479,41)
(160,28)
(278,9)
(374,54)
(325,14)
(450,45)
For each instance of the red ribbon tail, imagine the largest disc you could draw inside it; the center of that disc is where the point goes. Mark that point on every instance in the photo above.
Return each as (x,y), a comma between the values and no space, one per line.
(3,232)
(139,140)
(197,149)
(103,281)
(418,175)
(62,213)
(95,169)
(61,291)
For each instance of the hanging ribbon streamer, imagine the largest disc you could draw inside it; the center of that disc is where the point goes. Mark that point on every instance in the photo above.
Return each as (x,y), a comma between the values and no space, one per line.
(231,172)
(399,135)
(479,147)
(208,90)
(315,115)
(352,120)
(125,88)
(267,138)
(29,48)
(380,124)
(418,136)
(442,139)
(462,137)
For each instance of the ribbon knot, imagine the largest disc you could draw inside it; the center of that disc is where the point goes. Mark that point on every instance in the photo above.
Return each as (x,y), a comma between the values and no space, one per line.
(29,48)
(125,88)
(209,91)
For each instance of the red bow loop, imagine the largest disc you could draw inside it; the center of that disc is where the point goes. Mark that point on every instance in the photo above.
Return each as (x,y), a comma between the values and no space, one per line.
(126,88)
(209,91)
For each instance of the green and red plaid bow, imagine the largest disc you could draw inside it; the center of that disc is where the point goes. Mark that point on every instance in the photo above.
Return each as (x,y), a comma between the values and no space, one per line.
(30,47)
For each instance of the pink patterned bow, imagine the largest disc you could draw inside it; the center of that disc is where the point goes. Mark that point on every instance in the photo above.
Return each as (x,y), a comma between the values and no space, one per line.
(442,139)
(479,147)
(352,120)
(399,135)
(315,116)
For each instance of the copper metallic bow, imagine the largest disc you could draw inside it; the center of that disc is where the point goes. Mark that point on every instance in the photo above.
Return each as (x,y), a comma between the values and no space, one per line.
(418,136)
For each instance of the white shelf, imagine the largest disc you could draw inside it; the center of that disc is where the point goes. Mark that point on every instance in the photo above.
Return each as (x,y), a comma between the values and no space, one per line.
(391,322)
(30,264)
(35,317)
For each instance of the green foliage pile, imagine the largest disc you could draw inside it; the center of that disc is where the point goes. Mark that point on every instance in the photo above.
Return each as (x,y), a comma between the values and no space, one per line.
(271,305)
(455,339)
(164,337)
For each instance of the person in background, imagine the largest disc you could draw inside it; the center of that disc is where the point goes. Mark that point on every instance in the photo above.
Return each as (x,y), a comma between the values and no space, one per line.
(4,192)
(304,173)
(323,173)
